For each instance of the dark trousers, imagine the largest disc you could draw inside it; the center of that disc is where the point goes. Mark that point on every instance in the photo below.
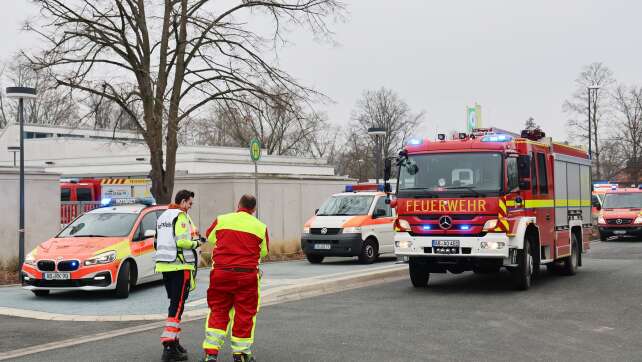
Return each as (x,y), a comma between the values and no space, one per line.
(177,285)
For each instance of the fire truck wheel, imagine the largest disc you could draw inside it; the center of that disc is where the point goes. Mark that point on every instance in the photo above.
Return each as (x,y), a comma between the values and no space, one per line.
(419,274)
(523,274)
(123,282)
(41,293)
(571,261)
(315,259)
(368,252)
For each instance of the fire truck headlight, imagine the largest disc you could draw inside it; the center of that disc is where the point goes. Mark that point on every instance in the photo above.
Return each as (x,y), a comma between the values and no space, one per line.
(490,225)
(104,258)
(404,225)
(352,230)
(403,244)
(638,220)
(600,220)
(306,229)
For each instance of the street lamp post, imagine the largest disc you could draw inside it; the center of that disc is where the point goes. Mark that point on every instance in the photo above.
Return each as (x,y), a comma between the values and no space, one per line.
(591,88)
(21,93)
(377,133)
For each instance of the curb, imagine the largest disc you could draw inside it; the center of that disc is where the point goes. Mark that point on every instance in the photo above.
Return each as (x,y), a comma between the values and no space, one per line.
(269,297)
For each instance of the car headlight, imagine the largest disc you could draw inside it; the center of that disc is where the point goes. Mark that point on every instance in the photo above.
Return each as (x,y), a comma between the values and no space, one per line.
(352,230)
(306,229)
(638,220)
(30,260)
(490,225)
(600,220)
(104,258)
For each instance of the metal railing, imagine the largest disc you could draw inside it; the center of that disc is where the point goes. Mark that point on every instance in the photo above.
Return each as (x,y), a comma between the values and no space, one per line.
(69,210)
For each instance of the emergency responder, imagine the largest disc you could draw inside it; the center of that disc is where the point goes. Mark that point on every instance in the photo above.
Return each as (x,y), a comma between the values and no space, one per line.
(176,241)
(240,240)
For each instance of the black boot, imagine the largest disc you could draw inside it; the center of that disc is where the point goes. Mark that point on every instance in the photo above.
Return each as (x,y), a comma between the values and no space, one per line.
(180,348)
(171,353)
(242,357)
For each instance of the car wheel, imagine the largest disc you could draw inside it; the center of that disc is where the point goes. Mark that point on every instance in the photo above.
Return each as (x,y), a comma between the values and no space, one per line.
(571,261)
(315,259)
(419,275)
(523,274)
(368,252)
(41,293)
(123,283)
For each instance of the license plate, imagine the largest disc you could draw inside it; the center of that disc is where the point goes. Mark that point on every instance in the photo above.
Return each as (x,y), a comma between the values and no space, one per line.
(322,246)
(57,276)
(445,243)
(619,232)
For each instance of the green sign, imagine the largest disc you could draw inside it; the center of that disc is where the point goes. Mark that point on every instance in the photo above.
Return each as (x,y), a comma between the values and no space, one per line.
(255,149)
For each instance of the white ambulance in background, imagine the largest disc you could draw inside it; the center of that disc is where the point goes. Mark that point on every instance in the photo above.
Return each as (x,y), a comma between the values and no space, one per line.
(357,222)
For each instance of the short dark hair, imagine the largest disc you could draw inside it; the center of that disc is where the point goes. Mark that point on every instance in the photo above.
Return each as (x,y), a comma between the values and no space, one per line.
(183,195)
(248,202)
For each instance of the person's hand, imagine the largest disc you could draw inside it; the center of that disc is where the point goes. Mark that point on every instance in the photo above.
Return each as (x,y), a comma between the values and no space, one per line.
(202,240)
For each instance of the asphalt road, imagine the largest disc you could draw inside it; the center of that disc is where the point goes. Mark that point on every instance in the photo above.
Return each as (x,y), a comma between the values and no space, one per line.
(592,316)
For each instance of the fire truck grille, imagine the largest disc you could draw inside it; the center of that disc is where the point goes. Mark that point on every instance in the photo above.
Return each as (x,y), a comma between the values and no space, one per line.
(46,265)
(454,217)
(329,231)
(619,221)
(68,265)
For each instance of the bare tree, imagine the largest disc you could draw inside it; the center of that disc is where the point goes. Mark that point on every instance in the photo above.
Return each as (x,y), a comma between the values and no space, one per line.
(52,106)
(628,107)
(577,107)
(171,58)
(383,108)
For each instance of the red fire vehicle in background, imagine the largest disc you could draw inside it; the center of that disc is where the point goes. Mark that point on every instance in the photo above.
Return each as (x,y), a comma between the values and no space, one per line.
(490,200)
(621,213)
(78,196)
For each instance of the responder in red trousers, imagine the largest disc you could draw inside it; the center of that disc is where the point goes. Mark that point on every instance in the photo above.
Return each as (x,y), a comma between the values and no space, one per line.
(240,240)
(176,241)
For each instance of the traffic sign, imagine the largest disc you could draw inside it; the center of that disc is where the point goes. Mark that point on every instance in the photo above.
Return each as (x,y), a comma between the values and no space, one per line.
(255,149)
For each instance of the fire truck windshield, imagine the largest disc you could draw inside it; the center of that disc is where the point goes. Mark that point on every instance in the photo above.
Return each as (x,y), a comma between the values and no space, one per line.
(346,205)
(473,173)
(628,200)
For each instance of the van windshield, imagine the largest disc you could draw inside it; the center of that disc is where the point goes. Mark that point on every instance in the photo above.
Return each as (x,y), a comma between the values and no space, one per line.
(342,205)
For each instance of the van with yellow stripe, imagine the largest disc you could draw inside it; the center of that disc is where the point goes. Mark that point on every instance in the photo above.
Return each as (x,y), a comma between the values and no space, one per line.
(357,222)
(492,199)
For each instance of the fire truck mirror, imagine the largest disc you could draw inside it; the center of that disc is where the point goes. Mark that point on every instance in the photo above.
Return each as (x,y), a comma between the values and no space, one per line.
(524,167)
(387,170)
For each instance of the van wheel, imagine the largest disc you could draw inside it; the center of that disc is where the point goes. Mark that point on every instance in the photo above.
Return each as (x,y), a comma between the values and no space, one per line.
(41,293)
(419,275)
(571,261)
(523,274)
(123,283)
(368,252)
(315,259)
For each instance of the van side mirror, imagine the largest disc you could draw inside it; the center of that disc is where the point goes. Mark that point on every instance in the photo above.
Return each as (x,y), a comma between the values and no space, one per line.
(316,211)
(149,234)
(387,169)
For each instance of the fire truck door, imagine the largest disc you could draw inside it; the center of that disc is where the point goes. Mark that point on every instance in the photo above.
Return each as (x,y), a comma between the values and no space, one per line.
(543,200)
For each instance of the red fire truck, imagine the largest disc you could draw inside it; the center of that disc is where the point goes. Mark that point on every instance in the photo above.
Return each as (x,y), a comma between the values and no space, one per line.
(489,200)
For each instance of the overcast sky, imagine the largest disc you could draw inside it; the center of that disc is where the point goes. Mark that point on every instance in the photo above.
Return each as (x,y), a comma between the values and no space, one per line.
(515,58)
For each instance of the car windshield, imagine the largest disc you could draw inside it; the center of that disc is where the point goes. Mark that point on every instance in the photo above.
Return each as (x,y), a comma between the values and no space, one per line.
(346,205)
(100,224)
(473,172)
(632,200)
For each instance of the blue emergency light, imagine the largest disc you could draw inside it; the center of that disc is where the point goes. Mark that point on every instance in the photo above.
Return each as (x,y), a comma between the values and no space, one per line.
(464,227)
(415,141)
(497,138)
(349,188)
(427,227)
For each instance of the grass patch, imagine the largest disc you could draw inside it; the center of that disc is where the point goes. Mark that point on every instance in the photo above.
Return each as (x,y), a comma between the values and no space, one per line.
(9,271)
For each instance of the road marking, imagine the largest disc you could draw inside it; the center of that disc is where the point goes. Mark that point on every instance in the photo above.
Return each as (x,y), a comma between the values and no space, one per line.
(270,297)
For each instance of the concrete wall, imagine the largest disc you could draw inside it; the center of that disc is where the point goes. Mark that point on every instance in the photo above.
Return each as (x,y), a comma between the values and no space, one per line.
(285,202)
(42,209)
